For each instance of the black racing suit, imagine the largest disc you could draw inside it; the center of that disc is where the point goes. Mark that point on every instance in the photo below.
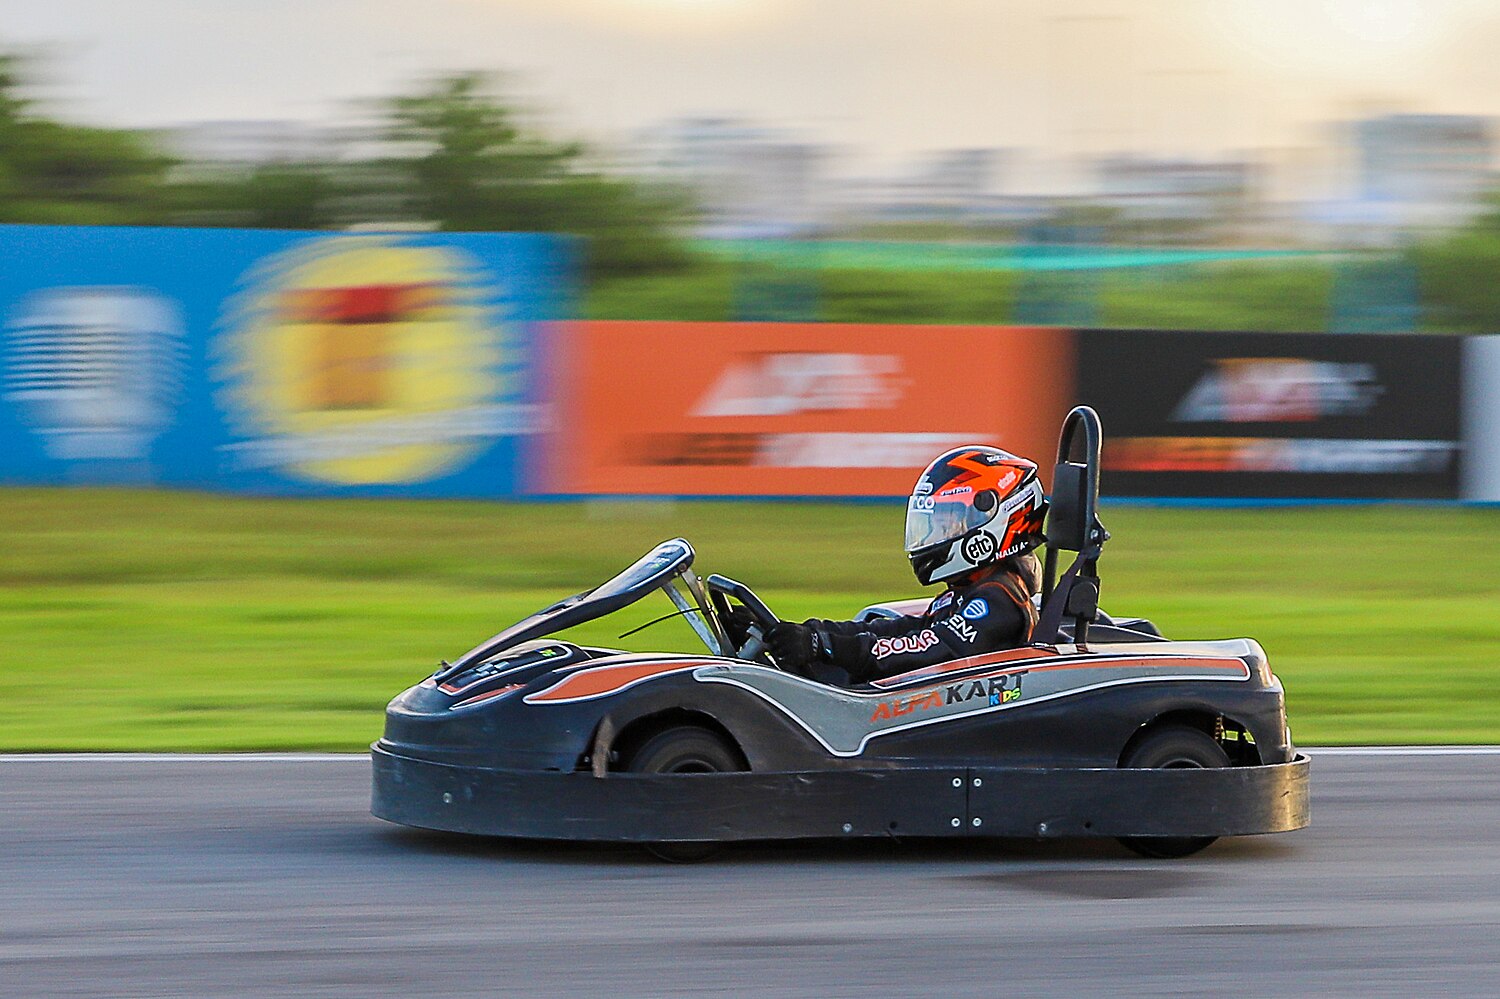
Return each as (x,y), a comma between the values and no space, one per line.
(992,612)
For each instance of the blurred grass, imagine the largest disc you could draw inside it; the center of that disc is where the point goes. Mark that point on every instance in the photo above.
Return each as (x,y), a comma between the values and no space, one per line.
(174,621)
(1270,296)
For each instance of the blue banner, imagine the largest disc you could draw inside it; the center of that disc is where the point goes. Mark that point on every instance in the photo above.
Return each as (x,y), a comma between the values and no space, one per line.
(277,362)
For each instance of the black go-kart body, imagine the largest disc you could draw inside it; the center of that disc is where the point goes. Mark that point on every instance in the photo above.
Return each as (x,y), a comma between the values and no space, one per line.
(1109,730)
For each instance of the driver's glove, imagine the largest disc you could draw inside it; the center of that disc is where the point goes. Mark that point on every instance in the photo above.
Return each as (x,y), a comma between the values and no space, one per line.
(793,646)
(737,624)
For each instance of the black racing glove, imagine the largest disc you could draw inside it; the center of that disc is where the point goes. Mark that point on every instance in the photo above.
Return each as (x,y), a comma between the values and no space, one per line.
(793,646)
(737,626)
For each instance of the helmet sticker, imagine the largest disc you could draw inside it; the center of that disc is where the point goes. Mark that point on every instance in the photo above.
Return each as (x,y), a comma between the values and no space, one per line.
(976,609)
(980,547)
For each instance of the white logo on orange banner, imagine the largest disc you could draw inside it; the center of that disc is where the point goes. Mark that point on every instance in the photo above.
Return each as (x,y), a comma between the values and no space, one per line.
(785,383)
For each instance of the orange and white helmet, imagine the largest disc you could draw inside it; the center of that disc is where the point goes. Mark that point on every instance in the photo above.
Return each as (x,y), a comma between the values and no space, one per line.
(972,506)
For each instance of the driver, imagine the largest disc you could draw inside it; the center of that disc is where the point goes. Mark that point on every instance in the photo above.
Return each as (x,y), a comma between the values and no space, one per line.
(973,518)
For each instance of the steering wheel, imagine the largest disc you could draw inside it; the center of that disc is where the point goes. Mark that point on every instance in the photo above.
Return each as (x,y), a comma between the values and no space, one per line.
(720,590)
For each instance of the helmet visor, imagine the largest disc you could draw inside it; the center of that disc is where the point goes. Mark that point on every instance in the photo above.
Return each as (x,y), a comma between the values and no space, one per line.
(931,521)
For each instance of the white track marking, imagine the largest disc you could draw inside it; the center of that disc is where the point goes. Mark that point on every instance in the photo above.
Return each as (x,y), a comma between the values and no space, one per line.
(81,757)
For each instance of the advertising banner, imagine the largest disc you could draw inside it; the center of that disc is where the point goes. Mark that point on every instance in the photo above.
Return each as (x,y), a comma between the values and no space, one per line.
(1481,474)
(1275,415)
(799,409)
(281,362)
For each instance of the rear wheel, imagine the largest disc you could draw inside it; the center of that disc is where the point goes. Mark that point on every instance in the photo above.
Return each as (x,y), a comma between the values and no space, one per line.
(1175,747)
(685,750)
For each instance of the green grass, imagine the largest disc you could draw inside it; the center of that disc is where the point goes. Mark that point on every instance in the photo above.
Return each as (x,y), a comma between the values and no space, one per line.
(1257,295)
(145,620)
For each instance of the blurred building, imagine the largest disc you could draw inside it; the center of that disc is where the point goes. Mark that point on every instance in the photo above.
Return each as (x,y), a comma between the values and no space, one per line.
(1404,173)
(950,184)
(748,180)
(1435,165)
(253,143)
(1159,189)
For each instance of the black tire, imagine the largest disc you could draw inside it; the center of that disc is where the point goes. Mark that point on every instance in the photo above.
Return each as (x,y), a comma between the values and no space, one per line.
(685,750)
(1173,747)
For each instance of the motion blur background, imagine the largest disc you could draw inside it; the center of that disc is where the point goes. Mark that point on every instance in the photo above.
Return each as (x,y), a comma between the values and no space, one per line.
(339,334)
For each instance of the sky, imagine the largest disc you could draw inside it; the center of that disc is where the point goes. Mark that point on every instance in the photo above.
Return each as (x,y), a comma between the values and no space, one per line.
(884,79)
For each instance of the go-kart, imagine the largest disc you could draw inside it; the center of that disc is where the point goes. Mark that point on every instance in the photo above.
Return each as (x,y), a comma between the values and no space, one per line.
(1101,728)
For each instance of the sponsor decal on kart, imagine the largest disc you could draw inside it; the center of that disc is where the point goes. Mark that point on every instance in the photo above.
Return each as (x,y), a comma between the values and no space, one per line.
(994,691)
(488,695)
(905,644)
(612,676)
(844,722)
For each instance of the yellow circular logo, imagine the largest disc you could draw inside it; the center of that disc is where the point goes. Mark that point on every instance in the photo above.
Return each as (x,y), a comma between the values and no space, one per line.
(364,360)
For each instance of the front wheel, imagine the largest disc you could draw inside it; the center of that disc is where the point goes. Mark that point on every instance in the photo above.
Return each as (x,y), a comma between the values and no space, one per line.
(1174,747)
(685,750)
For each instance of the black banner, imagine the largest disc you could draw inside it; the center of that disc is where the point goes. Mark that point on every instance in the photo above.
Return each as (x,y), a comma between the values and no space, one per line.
(1274,414)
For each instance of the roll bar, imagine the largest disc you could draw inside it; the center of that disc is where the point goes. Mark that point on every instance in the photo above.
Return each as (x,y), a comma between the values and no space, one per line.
(1073,525)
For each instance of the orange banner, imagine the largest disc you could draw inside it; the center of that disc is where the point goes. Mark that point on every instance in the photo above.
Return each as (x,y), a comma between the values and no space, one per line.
(799,409)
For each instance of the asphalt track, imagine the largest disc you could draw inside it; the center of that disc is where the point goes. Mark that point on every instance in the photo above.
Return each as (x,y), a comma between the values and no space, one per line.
(151,876)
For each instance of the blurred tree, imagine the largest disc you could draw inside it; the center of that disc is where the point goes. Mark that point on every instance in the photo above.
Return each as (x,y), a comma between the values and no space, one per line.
(471,166)
(54,172)
(455,155)
(269,196)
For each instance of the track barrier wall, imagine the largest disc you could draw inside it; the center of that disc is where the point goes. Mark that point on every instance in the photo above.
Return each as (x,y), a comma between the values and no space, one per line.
(279,362)
(435,364)
(797,409)
(1276,415)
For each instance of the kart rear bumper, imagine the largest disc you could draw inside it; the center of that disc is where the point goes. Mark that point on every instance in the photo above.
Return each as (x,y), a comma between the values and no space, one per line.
(975,801)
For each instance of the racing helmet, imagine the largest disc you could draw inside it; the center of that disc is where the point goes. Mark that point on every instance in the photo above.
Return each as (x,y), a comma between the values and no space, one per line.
(972,506)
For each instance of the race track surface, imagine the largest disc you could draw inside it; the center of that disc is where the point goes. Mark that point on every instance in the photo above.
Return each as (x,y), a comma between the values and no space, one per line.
(151,877)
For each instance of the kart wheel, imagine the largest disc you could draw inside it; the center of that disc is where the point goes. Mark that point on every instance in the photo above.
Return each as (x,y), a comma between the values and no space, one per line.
(1173,748)
(685,750)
